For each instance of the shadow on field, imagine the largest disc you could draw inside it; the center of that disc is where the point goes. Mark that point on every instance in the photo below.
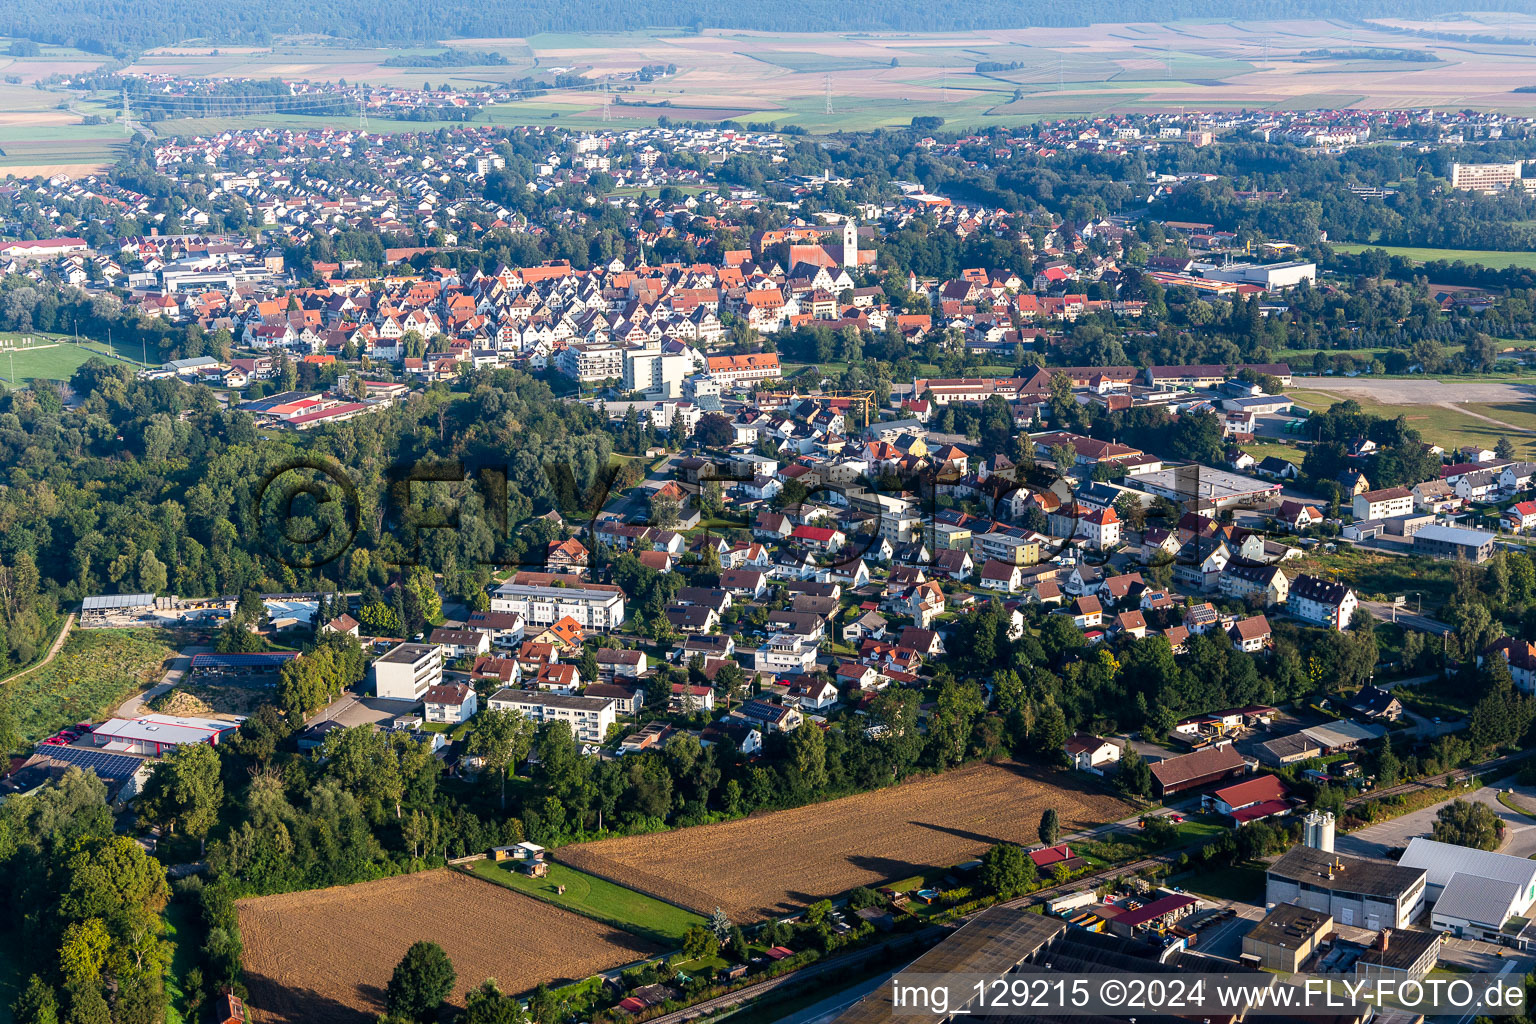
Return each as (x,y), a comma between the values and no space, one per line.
(961,833)
(276,1003)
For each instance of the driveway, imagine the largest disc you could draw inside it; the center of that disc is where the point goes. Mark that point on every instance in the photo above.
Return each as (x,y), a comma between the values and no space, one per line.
(1519,831)
(135,706)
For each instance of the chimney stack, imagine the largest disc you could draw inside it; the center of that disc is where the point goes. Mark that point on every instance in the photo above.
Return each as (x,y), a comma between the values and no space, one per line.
(1386,937)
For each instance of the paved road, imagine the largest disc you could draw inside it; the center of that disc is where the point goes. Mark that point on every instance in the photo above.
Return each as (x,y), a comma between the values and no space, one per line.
(1383,612)
(134,706)
(1376,840)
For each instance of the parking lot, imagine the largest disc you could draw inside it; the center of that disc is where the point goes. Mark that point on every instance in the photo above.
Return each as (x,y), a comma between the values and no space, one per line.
(1232,920)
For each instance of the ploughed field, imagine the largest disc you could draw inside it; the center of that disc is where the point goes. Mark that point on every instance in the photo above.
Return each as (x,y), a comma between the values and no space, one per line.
(776,863)
(327,955)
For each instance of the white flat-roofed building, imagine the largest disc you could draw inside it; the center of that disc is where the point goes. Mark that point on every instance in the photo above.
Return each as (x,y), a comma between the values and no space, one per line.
(1485,177)
(588,717)
(543,599)
(1207,488)
(1269,276)
(158,734)
(407,671)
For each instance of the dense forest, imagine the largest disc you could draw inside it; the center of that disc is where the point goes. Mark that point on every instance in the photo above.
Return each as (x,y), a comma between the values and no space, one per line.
(127,25)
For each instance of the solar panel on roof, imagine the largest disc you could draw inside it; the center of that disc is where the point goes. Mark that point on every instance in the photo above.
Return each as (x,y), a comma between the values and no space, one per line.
(242,660)
(105,602)
(104,764)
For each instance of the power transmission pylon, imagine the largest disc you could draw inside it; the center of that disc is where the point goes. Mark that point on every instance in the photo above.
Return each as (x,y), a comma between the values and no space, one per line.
(127,128)
(827,83)
(362,111)
(607,99)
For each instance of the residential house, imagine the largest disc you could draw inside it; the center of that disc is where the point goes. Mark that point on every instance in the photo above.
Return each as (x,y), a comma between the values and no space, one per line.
(1322,602)
(1092,753)
(450,703)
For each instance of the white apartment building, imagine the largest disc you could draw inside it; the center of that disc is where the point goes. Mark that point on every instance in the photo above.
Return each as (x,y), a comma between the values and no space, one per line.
(588,717)
(1323,602)
(541,602)
(1383,504)
(407,671)
(589,361)
(660,375)
(1485,177)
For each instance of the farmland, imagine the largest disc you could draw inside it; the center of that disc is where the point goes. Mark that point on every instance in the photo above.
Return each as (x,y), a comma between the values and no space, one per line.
(94,671)
(875,80)
(326,955)
(778,862)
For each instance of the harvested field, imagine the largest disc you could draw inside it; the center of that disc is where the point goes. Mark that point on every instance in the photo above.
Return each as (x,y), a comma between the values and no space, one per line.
(325,957)
(775,863)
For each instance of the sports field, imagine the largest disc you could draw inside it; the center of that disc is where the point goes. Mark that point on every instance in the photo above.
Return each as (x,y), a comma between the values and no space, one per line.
(54,357)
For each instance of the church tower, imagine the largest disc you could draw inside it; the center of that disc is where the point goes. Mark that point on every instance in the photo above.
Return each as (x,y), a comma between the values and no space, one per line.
(850,243)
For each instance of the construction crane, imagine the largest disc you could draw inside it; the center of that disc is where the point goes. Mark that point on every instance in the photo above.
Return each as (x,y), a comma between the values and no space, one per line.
(865,400)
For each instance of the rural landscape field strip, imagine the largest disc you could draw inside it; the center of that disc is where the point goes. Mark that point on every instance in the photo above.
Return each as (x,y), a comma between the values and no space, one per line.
(325,956)
(775,863)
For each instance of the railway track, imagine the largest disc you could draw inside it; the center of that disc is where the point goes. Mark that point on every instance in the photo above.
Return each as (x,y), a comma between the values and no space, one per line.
(932,935)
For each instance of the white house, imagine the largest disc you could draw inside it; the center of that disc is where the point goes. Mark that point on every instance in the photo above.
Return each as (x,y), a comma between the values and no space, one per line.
(451,703)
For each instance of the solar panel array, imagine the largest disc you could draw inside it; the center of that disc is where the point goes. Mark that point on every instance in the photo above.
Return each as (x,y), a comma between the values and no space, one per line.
(242,660)
(104,763)
(106,602)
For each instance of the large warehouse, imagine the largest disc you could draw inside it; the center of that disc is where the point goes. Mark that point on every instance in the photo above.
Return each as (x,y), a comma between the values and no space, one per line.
(1475,893)
(1357,891)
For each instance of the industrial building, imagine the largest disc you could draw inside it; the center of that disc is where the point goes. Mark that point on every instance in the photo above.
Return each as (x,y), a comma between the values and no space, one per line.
(1272,277)
(1201,768)
(1207,488)
(1475,893)
(1287,936)
(1358,892)
(155,735)
(1400,956)
(1454,542)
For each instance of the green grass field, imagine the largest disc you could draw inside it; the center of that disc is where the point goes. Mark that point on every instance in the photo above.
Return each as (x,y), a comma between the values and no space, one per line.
(53,358)
(1487,257)
(598,899)
(1447,427)
(94,672)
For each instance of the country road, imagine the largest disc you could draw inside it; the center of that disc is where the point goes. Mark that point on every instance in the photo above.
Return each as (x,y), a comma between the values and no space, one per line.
(53,652)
